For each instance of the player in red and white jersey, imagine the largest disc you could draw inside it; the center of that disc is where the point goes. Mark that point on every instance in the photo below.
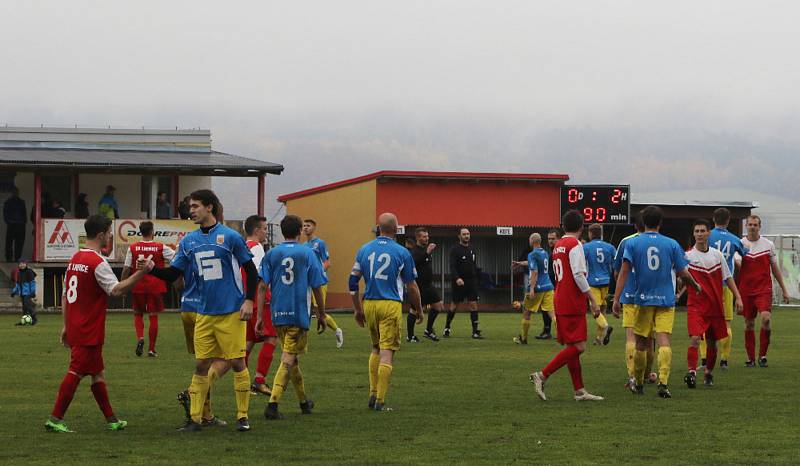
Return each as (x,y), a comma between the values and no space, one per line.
(255,228)
(706,314)
(572,293)
(148,294)
(755,284)
(88,282)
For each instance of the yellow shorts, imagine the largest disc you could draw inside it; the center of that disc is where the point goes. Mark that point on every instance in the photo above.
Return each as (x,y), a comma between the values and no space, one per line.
(542,301)
(599,294)
(656,319)
(220,336)
(324,295)
(294,340)
(727,303)
(629,312)
(188,319)
(384,320)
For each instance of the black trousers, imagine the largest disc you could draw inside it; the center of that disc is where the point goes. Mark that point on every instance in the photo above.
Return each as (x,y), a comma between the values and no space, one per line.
(15,240)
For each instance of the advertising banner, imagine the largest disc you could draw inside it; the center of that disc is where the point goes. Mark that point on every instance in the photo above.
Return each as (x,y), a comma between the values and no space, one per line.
(64,237)
(169,232)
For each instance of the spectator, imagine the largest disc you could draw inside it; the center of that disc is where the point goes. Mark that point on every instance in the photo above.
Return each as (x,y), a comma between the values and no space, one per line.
(14,215)
(183,209)
(163,207)
(25,287)
(82,206)
(108,205)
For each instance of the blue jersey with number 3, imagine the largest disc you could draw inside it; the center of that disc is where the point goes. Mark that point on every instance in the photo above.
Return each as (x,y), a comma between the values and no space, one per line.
(385,266)
(655,258)
(213,260)
(728,244)
(600,261)
(291,270)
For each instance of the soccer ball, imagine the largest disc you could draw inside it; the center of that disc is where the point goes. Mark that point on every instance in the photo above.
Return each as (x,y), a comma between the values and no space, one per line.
(26,320)
(517,305)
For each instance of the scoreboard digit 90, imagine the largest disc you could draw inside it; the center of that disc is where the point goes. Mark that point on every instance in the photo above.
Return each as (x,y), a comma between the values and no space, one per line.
(605,204)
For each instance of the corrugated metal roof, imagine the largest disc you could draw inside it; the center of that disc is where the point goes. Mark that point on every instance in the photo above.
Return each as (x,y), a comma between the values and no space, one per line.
(132,161)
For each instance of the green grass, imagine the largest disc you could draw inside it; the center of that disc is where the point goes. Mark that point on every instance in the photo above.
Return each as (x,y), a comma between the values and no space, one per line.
(458,401)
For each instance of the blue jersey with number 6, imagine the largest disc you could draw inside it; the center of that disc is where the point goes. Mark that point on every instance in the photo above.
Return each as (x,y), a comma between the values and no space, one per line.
(291,270)
(655,258)
(385,266)
(600,260)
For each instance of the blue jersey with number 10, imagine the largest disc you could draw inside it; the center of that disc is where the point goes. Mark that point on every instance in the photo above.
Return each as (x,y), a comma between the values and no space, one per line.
(291,270)
(385,266)
(599,258)
(655,258)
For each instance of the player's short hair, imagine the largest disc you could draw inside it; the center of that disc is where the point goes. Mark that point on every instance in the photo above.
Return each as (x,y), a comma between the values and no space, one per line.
(146,228)
(652,216)
(291,226)
(595,231)
(722,216)
(637,223)
(311,221)
(702,221)
(535,237)
(208,198)
(755,217)
(96,224)
(572,221)
(419,230)
(252,222)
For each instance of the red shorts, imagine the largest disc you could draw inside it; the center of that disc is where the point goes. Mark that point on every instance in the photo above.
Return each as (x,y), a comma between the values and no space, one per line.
(754,304)
(714,328)
(86,360)
(571,328)
(148,302)
(267,331)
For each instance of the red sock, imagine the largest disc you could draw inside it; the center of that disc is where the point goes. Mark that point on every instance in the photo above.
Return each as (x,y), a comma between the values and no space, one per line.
(138,324)
(750,344)
(560,359)
(711,358)
(265,358)
(100,393)
(763,342)
(153,331)
(65,393)
(691,358)
(574,366)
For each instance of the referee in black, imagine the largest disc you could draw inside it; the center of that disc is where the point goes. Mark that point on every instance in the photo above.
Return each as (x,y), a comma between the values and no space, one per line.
(464,273)
(421,252)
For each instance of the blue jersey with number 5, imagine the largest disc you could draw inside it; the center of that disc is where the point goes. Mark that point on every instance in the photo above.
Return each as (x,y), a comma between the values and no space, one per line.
(212,261)
(728,244)
(655,258)
(385,266)
(600,260)
(291,270)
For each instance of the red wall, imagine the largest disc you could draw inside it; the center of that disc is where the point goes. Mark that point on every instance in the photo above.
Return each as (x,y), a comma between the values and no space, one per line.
(435,202)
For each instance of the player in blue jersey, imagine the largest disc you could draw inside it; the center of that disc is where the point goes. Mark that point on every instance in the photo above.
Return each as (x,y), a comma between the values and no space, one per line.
(292,271)
(385,266)
(599,261)
(729,245)
(539,296)
(214,256)
(321,250)
(656,260)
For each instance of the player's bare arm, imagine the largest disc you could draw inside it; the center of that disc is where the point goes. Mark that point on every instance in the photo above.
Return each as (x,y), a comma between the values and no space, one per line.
(416,300)
(776,271)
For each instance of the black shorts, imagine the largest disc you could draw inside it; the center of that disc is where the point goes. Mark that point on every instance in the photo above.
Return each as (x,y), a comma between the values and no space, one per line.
(429,295)
(467,292)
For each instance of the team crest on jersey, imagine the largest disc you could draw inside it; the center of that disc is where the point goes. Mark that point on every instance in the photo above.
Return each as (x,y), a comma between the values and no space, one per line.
(220,239)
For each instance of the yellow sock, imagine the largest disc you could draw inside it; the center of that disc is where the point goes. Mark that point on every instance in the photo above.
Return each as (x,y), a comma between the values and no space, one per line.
(297,382)
(703,348)
(198,391)
(374,362)
(602,323)
(725,345)
(664,363)
(639,366)
(279,384)
(241,386)
(526,327)
(330,322)
(384,374)
(630,350)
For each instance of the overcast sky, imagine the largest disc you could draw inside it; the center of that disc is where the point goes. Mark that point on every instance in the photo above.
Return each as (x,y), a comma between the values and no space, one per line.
(663,95)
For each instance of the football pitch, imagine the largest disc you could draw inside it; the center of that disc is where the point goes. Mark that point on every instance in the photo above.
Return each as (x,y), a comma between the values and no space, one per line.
(457,401)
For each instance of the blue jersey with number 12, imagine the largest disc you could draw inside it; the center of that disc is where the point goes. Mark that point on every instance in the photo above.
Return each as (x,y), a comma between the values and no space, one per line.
(655,258)
(599,258)
(385,266)
(291,270)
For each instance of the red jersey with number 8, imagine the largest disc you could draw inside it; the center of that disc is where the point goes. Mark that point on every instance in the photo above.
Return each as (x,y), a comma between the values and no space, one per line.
(568,258)
(87,284)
